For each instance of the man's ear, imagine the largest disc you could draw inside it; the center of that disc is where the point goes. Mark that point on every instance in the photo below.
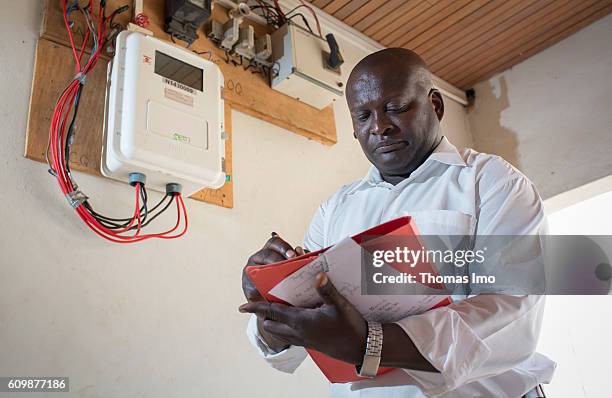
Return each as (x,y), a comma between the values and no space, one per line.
(437,102)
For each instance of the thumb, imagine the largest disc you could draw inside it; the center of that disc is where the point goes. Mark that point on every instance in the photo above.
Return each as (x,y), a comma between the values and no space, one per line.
(328,291)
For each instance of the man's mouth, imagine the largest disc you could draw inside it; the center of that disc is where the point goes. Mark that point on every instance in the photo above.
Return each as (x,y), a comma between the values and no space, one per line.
(391,146)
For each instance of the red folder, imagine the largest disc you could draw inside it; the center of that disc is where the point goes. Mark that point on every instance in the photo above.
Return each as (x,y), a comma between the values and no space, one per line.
(266,277)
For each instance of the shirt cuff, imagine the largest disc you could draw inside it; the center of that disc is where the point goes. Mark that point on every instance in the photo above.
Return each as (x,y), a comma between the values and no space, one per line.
(449,344)
(286,360)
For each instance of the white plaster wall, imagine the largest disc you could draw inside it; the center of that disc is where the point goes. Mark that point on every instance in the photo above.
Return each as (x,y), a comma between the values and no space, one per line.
(550,115)
(576,329)
(157,319)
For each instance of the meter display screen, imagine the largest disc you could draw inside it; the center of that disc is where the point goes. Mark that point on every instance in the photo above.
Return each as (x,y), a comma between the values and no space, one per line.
(179,71)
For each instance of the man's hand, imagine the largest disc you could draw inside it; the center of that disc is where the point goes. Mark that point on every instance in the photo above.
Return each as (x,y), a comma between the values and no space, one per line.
(335,328)
(275,250)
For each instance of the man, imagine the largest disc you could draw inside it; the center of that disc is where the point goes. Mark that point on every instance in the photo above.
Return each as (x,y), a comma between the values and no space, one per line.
(479,346)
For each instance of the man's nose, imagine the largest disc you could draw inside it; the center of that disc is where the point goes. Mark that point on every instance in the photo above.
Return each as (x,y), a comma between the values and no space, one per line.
(381,125)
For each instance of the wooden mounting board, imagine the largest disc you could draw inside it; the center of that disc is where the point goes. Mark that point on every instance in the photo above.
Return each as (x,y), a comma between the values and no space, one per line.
(51,74)
(245,91)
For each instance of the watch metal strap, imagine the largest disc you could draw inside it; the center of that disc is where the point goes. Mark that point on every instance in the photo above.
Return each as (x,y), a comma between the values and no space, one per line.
(371,359)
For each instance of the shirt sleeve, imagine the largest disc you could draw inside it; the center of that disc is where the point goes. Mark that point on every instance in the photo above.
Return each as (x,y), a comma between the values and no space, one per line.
(286,361)
(484,335)
(315,235)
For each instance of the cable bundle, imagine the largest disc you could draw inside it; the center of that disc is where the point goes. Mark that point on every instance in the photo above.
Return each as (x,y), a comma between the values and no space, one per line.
(275,16)
(61,137)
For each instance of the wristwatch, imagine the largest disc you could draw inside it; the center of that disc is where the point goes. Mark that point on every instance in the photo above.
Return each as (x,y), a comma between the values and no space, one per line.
(371,359)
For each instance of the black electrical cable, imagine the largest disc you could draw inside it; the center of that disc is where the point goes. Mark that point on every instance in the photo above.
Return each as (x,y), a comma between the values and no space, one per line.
(71,128)
(126,221)
(119,223)
(145,198)
(52,171)
(299,14)
(157,214)
(115,27)
(271,21)
(276,21)
(63,132)
(143,223)
(293,10)
(108,222)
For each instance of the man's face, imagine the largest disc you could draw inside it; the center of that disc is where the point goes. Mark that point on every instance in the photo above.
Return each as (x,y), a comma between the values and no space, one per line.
(395,117)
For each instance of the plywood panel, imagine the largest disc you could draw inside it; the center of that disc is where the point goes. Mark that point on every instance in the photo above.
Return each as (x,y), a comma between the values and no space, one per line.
(245,91)
(225,196)
(251,93)
(53,71)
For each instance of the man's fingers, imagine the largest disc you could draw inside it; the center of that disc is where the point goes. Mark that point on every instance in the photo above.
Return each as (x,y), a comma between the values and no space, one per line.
(273,311)
(299,251)
(328,291)
(249,289)
(277,244)
(282,330)
(275,250)
(266,256)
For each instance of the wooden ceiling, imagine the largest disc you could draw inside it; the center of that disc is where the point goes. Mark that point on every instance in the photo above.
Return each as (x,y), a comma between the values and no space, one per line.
(467,41)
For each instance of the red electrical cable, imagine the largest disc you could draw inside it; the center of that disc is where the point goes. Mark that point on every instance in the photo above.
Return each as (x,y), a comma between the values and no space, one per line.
(85,40)
(314,14)
(104,232)
(179,200)
(280,11)
(162,235)
(57,144)
(70,36)
(265,9)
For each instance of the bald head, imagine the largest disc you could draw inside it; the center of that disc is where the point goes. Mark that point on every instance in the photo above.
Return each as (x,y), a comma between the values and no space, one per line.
(395,111)
(397,64)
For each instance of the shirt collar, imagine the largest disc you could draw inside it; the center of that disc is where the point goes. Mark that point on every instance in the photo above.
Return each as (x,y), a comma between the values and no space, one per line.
(445,153)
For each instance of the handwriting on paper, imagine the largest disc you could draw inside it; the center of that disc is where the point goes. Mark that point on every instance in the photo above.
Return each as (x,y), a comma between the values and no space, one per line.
(343,266)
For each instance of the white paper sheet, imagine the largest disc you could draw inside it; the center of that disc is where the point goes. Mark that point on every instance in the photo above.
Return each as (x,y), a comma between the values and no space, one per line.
(343,266)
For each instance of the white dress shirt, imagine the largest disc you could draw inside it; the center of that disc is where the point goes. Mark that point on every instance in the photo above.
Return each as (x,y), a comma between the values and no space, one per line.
(482,346)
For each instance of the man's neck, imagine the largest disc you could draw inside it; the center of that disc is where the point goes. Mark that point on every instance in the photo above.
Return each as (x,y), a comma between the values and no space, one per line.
(395,179)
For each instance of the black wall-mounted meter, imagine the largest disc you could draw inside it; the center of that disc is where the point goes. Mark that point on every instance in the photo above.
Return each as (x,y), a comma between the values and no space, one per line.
(185,17)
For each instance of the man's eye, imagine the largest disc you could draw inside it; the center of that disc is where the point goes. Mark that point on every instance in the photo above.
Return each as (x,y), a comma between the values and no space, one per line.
(397,108)
(362,117)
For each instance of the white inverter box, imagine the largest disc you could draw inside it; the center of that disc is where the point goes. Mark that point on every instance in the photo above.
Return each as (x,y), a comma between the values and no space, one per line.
(164,116)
